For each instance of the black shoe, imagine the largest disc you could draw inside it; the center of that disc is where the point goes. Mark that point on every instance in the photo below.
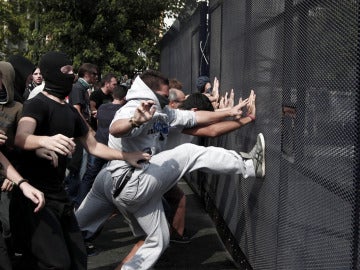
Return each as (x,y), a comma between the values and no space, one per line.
(176,238)
(91,250)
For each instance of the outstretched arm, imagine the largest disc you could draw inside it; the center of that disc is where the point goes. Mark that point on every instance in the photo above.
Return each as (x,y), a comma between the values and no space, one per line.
(217,129)
(224,127)
(207,118)
(102,151)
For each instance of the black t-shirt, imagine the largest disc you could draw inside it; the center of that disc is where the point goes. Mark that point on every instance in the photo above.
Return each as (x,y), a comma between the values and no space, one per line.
(105,115)
(100,98)
(79,95)
(51,118)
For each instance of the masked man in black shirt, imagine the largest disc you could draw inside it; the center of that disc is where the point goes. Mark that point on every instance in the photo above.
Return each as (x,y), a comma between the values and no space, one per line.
(46,132)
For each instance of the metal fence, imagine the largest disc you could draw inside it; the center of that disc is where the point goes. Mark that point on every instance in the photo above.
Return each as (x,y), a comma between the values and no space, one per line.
(302,59)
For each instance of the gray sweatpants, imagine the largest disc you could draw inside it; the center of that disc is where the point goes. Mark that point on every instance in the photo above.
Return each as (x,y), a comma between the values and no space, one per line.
(141,198)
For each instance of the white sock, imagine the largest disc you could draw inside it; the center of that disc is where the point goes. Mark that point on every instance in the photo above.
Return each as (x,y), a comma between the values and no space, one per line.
(249,167)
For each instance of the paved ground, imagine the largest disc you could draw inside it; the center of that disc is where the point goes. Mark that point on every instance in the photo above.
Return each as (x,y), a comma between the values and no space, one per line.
(206,251)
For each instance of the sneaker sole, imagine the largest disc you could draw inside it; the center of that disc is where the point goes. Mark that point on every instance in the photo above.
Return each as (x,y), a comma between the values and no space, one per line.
(262,141)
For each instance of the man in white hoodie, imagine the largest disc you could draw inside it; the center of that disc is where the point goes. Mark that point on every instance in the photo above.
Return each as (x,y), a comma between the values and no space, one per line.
(143,124)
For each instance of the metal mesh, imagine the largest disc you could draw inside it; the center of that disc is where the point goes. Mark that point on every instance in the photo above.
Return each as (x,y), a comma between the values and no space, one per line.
(180,57)
(301,58)
(215,42)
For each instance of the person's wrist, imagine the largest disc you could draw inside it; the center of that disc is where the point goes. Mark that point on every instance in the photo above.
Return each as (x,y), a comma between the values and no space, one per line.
(251,116)
(231,112)
(134,123)
(123,156)
(21,182)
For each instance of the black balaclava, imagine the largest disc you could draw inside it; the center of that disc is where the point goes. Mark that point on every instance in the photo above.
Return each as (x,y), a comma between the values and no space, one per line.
(162,100)
(57,83)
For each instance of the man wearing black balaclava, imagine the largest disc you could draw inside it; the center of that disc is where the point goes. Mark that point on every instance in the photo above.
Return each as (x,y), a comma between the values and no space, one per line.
(46,133)
(57,83)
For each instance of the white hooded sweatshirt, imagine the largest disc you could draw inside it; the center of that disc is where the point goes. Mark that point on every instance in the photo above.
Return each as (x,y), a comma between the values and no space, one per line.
(151,135)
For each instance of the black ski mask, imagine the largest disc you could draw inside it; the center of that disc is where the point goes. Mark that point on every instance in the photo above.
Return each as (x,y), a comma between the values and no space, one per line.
(57,83)
(162,100)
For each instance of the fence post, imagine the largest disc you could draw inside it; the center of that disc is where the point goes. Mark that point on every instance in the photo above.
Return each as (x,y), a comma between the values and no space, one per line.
(204,38)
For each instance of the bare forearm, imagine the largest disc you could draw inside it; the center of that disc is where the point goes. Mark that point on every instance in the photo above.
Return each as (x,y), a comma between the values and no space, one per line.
(206,118)
(29,141)
(102,151)
(26,139)
(8,170)
(121,127)
(217,129)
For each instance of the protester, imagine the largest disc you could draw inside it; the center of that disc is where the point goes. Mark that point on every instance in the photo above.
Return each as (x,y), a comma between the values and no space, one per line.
(104,94)
(13,178)
(23,67)
(176,97)
(105,115)
(79,97)
(175,83)
(94,164)
(50,125)
(35,79)
(203,84)
(175,199)
(178,136)
(10,111)
(143,123)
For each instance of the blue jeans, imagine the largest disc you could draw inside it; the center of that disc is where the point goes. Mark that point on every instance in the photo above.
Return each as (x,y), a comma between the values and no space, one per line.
(93,167)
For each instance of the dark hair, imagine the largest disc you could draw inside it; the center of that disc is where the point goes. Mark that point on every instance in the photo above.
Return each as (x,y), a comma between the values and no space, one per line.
(175,83)
(201,82)
(86,68)
(197,100)
(29,79)
(153,79)
(107,78)
(119,92)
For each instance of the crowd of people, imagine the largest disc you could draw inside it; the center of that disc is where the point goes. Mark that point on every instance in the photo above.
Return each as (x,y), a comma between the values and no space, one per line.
(73,155)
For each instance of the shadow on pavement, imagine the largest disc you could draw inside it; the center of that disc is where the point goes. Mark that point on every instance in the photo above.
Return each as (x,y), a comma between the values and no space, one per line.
(205,251)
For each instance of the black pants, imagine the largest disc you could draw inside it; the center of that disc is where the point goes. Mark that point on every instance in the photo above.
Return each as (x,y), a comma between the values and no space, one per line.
(53,235)
(5,263)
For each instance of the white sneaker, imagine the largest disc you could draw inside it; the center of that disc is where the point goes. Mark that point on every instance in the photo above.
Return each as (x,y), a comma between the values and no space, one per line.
(257,154)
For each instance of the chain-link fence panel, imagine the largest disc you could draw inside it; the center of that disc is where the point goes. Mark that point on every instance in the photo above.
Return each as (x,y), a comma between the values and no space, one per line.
(302,59)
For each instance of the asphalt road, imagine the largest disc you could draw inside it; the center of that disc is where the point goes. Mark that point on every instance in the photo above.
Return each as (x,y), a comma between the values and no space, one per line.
(205,251)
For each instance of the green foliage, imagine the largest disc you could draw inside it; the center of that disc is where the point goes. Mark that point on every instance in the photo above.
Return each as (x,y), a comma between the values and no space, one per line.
(10,24)
(117,35)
